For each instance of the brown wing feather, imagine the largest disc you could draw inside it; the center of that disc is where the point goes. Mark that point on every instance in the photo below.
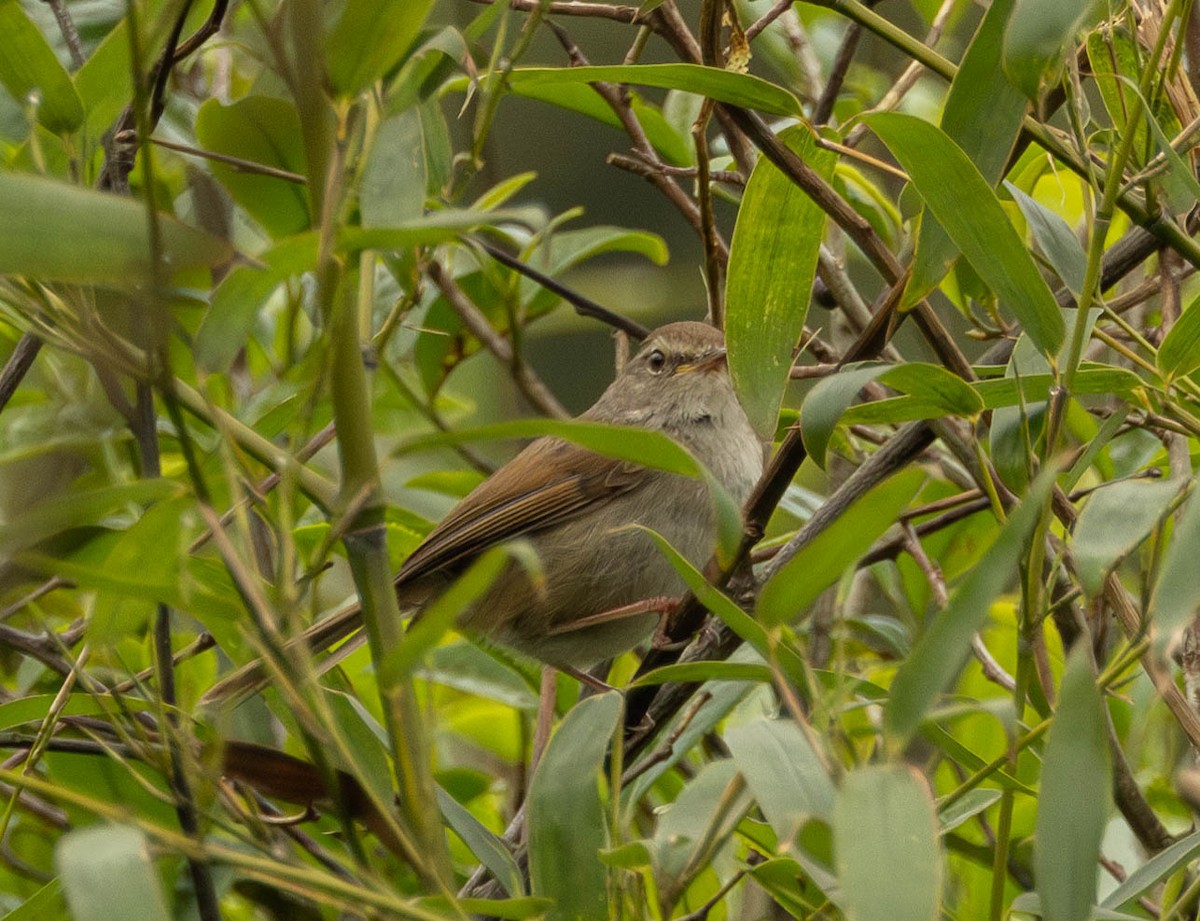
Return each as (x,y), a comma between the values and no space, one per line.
(557,480)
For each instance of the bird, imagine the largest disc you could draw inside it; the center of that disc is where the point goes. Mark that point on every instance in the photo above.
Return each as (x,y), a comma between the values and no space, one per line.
(580,511)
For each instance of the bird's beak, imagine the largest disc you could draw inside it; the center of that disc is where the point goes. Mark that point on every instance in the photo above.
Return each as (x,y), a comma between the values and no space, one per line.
(710,362)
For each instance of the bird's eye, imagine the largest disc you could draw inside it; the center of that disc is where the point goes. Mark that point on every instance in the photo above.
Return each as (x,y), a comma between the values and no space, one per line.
(656,361)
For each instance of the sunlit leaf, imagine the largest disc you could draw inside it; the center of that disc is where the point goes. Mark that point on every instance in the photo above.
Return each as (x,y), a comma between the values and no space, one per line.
(942,651)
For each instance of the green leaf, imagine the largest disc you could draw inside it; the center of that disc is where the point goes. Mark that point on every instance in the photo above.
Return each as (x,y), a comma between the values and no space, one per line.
(1075,795)
(439,616)
(34,708)
(941,652)
(490,850)
(696,672)
(92,860)
(47,904)
(567,823)
(1179,353)
(240,296)
(1153,871)
(370,39)
(934,389)
(786,775)
(1040,33)
(263,130)
(435,227)
(104,82)
(505,909)
(639,446)
(1116,519)
(966,206)
(983,115)
(1114,59)
(737,89)
(1176,593)
(1056,239)
(967,807)
(795,585)
(31,73)
(772,260)
(79,509)
(584,100)
(57,232)
(885,836)
(392,190)
(724,609)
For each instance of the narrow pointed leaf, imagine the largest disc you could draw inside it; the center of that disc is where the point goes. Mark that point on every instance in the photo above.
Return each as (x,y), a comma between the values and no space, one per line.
(885,836)
(738,89)
(966,206)
(32,74)
(772,260)
(567,825)
(983,115)
(58,232)
(942,651)
(1075,795)
(1115,520)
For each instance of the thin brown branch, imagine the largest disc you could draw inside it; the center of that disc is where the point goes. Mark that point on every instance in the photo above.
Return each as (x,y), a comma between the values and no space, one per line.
(529,383)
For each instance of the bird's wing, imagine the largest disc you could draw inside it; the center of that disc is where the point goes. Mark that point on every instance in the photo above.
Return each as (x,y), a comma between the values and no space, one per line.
(559,481)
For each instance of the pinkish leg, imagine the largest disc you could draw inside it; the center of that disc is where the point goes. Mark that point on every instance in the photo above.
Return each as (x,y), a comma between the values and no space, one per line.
(659,604)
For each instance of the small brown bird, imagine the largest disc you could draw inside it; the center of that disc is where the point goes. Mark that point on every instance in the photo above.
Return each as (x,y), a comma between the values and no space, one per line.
(574,507)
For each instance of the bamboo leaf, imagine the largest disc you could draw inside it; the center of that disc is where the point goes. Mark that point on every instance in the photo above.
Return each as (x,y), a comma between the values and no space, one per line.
(91,861)
(567,825)
(737,89)
(772,260)
(966,206)
(31,73)
(1075,795)
(57,232)
(884,817)
(941,652)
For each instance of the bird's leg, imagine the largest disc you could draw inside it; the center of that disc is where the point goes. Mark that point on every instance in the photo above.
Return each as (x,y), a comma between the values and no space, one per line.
(545,716)
(659,604)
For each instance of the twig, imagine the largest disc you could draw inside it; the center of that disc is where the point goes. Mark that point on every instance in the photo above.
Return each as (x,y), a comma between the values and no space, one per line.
(530,384)
(66,25)
(630,15)
(584,306)
(17,366)
(239,164)
(837,74)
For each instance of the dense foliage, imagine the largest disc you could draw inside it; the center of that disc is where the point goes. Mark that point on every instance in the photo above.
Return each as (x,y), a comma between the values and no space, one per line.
(269,303)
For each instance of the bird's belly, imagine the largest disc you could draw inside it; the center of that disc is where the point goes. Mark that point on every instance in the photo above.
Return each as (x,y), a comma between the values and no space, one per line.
(589,571)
